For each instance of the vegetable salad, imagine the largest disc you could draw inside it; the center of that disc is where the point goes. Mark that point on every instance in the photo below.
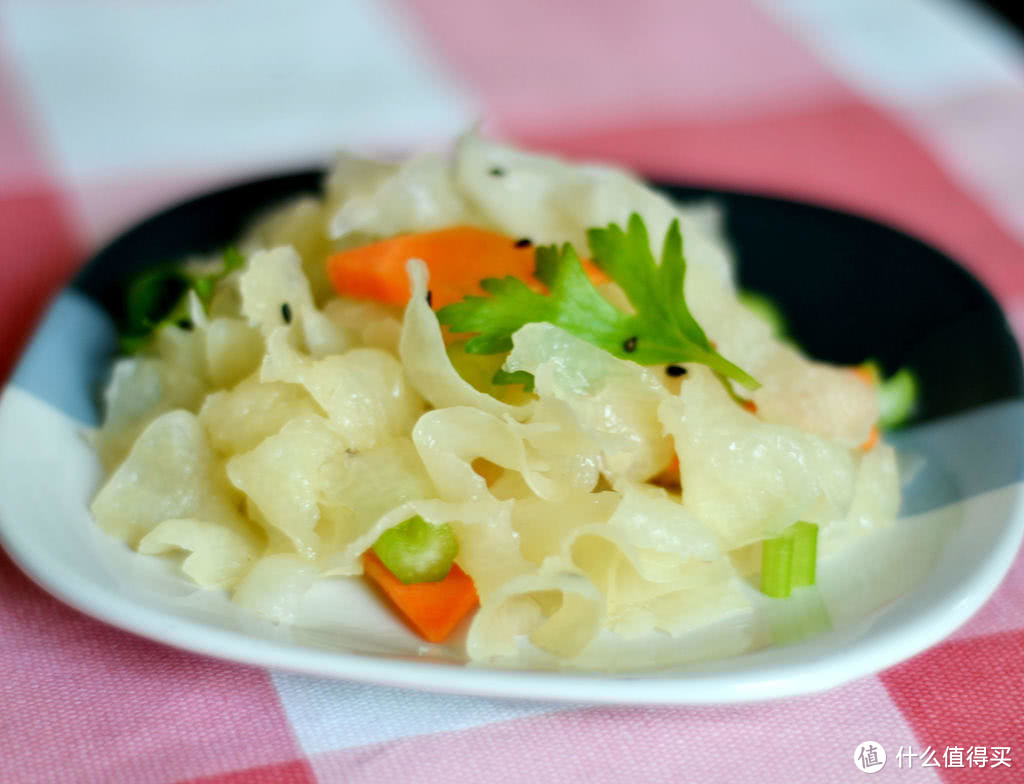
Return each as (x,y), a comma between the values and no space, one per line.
(524,398)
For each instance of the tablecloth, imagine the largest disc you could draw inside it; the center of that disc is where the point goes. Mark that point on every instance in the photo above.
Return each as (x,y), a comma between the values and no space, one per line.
(911,111)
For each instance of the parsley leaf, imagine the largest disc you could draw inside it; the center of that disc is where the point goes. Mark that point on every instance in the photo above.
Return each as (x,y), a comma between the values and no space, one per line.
(232,259)
(514,377)
(158,296)
(662,330)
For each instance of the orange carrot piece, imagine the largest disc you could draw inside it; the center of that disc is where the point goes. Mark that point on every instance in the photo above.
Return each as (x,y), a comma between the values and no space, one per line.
(432,609)
(871,440)
(458,259)
(864,373)
(868,376)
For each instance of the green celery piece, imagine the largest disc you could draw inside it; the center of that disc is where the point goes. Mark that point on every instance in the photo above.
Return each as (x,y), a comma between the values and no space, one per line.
(777,566)
(897,398)
(416,551)
(789,560)
(805,553)
(897,395)
(662,331)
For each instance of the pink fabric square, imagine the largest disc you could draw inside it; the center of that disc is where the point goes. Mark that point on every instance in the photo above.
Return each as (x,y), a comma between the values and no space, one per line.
(580,65)
(805,739)
(296,772)
(85,702)
(41,250)
(966,693)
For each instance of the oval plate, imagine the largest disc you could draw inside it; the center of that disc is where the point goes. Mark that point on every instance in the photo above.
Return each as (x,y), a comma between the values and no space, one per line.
(851,289)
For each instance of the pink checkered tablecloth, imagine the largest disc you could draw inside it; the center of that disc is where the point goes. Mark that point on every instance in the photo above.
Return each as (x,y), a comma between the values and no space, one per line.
(911,111)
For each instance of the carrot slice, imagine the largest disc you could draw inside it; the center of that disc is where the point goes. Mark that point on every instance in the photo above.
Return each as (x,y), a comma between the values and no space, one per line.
(865,374)
(871,440)
(868,375)
(432,609)
(458,259)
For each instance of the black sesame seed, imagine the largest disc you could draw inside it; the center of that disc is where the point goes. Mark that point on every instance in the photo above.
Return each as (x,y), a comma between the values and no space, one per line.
(496,171)
(286,313)
(186,324)
(675,371)
(525,242)
(629,346)
(430,298)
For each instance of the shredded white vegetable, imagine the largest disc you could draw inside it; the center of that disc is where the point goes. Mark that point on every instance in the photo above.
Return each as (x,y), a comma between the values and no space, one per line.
(280,436)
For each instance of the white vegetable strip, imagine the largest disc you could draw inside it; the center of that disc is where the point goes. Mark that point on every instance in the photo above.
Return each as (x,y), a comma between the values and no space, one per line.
(426,362)
(558,608)
(614,402)
(450,439)
(281,476)
(275,586)
(748,479)
(171,472)
(417,195)
(363,391)
(218,554)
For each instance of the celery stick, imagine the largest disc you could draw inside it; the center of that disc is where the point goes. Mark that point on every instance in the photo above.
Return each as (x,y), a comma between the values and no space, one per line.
(788,560)
(805,553)
(416,551)
(776,566)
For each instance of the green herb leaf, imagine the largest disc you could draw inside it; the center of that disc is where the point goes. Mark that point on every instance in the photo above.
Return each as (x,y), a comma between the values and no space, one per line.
(514,377)
(205,286)
(153,297)
(484,372)
(157,297)
(662,330)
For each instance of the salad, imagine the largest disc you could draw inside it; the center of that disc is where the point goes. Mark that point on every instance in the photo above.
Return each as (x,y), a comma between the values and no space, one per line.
(524,398)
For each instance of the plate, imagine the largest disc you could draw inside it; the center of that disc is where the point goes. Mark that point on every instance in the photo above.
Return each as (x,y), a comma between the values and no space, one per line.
(851,288)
